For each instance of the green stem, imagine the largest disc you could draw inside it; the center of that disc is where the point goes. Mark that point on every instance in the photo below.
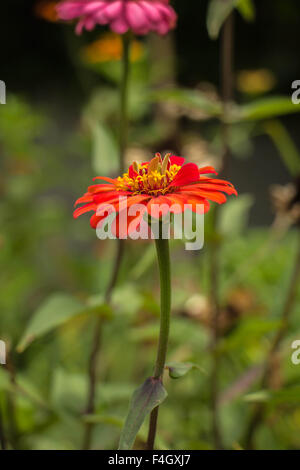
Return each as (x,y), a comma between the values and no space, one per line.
(163,256)
(126,39)
(94,355)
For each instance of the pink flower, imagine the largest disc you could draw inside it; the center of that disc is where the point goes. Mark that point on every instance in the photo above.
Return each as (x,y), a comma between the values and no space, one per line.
(139,16)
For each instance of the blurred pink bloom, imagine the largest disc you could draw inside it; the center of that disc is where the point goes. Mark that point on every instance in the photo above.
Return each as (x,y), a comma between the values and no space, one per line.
(139,16)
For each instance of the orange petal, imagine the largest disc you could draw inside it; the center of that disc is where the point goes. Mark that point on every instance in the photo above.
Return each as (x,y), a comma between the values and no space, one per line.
(207,170)
(108,206)
(199,204)
(99,188)
(177,203)
(124,224)
(96,219)
(99,198)
(84,209)
(86,198)
(215,196)
(130,201)
(159,206)
(211,187)
(104,178)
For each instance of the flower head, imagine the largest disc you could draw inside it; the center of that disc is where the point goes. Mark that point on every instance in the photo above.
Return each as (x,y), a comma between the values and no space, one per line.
(166,184)
(138,16)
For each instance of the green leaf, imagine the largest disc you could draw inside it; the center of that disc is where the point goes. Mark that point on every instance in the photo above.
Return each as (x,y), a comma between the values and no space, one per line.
(54,312)
(288,395)
(260,109)
(218,11)
(247,9)
(191,99)
(287,148)
(179,369)
(147,397)
(258,397)
(265,108)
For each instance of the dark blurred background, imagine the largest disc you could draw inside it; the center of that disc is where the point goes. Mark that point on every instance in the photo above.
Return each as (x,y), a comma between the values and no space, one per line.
(36,63)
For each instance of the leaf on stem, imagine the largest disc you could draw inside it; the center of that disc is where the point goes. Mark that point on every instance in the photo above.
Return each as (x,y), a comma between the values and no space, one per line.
(265,108)
(219,10)
(287,148)
(179,369)
(247,9)
(147,397)
(190,99)
(274,398)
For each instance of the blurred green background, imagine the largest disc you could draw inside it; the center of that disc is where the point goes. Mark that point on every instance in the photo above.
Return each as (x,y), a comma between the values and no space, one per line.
(58,129)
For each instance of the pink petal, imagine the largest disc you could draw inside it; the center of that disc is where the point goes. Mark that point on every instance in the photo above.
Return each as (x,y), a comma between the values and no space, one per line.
(114,10)
(92,7)
(152,13)
(136,17)
(80,25)
(119,26)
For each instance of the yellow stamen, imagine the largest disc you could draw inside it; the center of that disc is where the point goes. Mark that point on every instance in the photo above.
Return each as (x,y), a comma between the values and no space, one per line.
(149,180)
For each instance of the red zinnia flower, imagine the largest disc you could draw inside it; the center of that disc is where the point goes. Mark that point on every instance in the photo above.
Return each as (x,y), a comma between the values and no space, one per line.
(139,16)
(170,184)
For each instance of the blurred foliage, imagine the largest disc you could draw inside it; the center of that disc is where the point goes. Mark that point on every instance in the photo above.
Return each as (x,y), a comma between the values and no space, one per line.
(44,253)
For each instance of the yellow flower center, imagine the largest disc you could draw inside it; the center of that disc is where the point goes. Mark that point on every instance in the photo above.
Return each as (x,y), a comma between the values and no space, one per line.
(154,182)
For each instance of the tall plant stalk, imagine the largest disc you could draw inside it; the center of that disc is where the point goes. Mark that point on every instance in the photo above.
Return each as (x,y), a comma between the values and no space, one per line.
(163,256)
(258,414)
(227,83)
(94,355)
